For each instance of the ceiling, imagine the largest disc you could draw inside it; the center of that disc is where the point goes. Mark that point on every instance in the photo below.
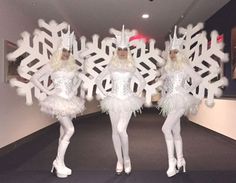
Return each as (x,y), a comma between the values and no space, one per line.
(88,17)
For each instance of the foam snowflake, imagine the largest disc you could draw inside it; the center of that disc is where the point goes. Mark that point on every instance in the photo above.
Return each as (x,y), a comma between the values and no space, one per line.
(99,53)
(35,51)
(206,58)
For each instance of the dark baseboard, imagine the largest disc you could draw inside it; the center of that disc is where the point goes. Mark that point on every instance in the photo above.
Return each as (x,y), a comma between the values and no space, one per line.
(89,115)
(10,147)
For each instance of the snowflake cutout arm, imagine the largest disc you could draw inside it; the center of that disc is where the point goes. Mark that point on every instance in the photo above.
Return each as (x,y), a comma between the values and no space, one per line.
(163,74)
(77,82)
(46,69)
(141,80)
(99,80)
(161,79)
(97,57)
(196,79)
(147,59)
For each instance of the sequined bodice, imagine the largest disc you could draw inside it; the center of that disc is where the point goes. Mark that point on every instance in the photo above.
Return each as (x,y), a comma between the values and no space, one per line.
(63,83)
(121,83)
(174,80)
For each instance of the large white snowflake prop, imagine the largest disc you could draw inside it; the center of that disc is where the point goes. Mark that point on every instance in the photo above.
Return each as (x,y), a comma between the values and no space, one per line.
(206,58)
(99,53)
(36,51)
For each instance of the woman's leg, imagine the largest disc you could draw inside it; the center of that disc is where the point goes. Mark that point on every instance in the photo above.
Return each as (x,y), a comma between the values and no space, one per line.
(114,117)
(171,120)
(68,129)
(122,129)
(61,133)
(179,145)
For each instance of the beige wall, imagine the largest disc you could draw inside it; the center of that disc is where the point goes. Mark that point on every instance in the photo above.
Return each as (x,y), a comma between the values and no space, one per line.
(16,119)
(91,107)
(221,118)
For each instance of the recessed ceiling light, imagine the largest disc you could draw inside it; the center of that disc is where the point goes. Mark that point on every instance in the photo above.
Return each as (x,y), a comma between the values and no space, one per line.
(34,3)
(145,16)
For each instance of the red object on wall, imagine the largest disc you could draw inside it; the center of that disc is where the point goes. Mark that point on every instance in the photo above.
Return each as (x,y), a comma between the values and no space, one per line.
(220,39)
(139,37)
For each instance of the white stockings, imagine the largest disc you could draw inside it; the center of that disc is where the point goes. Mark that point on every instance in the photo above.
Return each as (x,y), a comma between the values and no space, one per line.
(66,132)
(171,130)
(119,122)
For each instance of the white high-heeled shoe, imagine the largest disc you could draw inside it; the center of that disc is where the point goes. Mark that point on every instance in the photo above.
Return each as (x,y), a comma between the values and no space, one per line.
(179,153)
(172,168)
(181,163)
(127,165)
(119,168)
(61,170)
(68,170)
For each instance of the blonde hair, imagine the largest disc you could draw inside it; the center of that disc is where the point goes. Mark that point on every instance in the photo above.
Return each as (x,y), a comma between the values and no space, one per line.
(57,63)
(178,64)
(126,63)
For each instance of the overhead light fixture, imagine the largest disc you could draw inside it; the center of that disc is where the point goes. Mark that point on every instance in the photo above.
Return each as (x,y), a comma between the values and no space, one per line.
(145,16)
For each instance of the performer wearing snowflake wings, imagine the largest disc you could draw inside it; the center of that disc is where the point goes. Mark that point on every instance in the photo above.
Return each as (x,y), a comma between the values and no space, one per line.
(62,101)
(50,74)
(176,101)
(193,65)
(121,102)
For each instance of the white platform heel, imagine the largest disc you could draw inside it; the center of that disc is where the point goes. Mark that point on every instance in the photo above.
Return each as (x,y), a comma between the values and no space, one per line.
(181,163)
(127,165)
(172,168)
(60,170)
(58,164)
(119,168)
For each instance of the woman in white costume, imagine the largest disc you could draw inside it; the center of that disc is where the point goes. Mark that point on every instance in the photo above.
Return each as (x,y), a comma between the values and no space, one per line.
(176,101)
(62,101)
(121,102)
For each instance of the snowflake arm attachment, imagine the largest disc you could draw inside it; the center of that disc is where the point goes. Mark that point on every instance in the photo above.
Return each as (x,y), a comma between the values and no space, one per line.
(141,80)
(46,69)
(77,82)
(196,79)
(99,80)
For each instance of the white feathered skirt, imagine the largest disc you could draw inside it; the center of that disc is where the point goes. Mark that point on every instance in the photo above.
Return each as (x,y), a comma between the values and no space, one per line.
(131,103)
(178,100)
(59,106)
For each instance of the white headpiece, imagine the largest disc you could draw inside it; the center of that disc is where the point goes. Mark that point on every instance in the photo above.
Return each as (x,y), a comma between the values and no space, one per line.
(175,42)
(122,38)
(67,40)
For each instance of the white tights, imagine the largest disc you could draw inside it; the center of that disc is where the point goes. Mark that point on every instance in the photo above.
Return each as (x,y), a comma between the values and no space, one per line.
(171,129)
(66,132)
(119,122)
